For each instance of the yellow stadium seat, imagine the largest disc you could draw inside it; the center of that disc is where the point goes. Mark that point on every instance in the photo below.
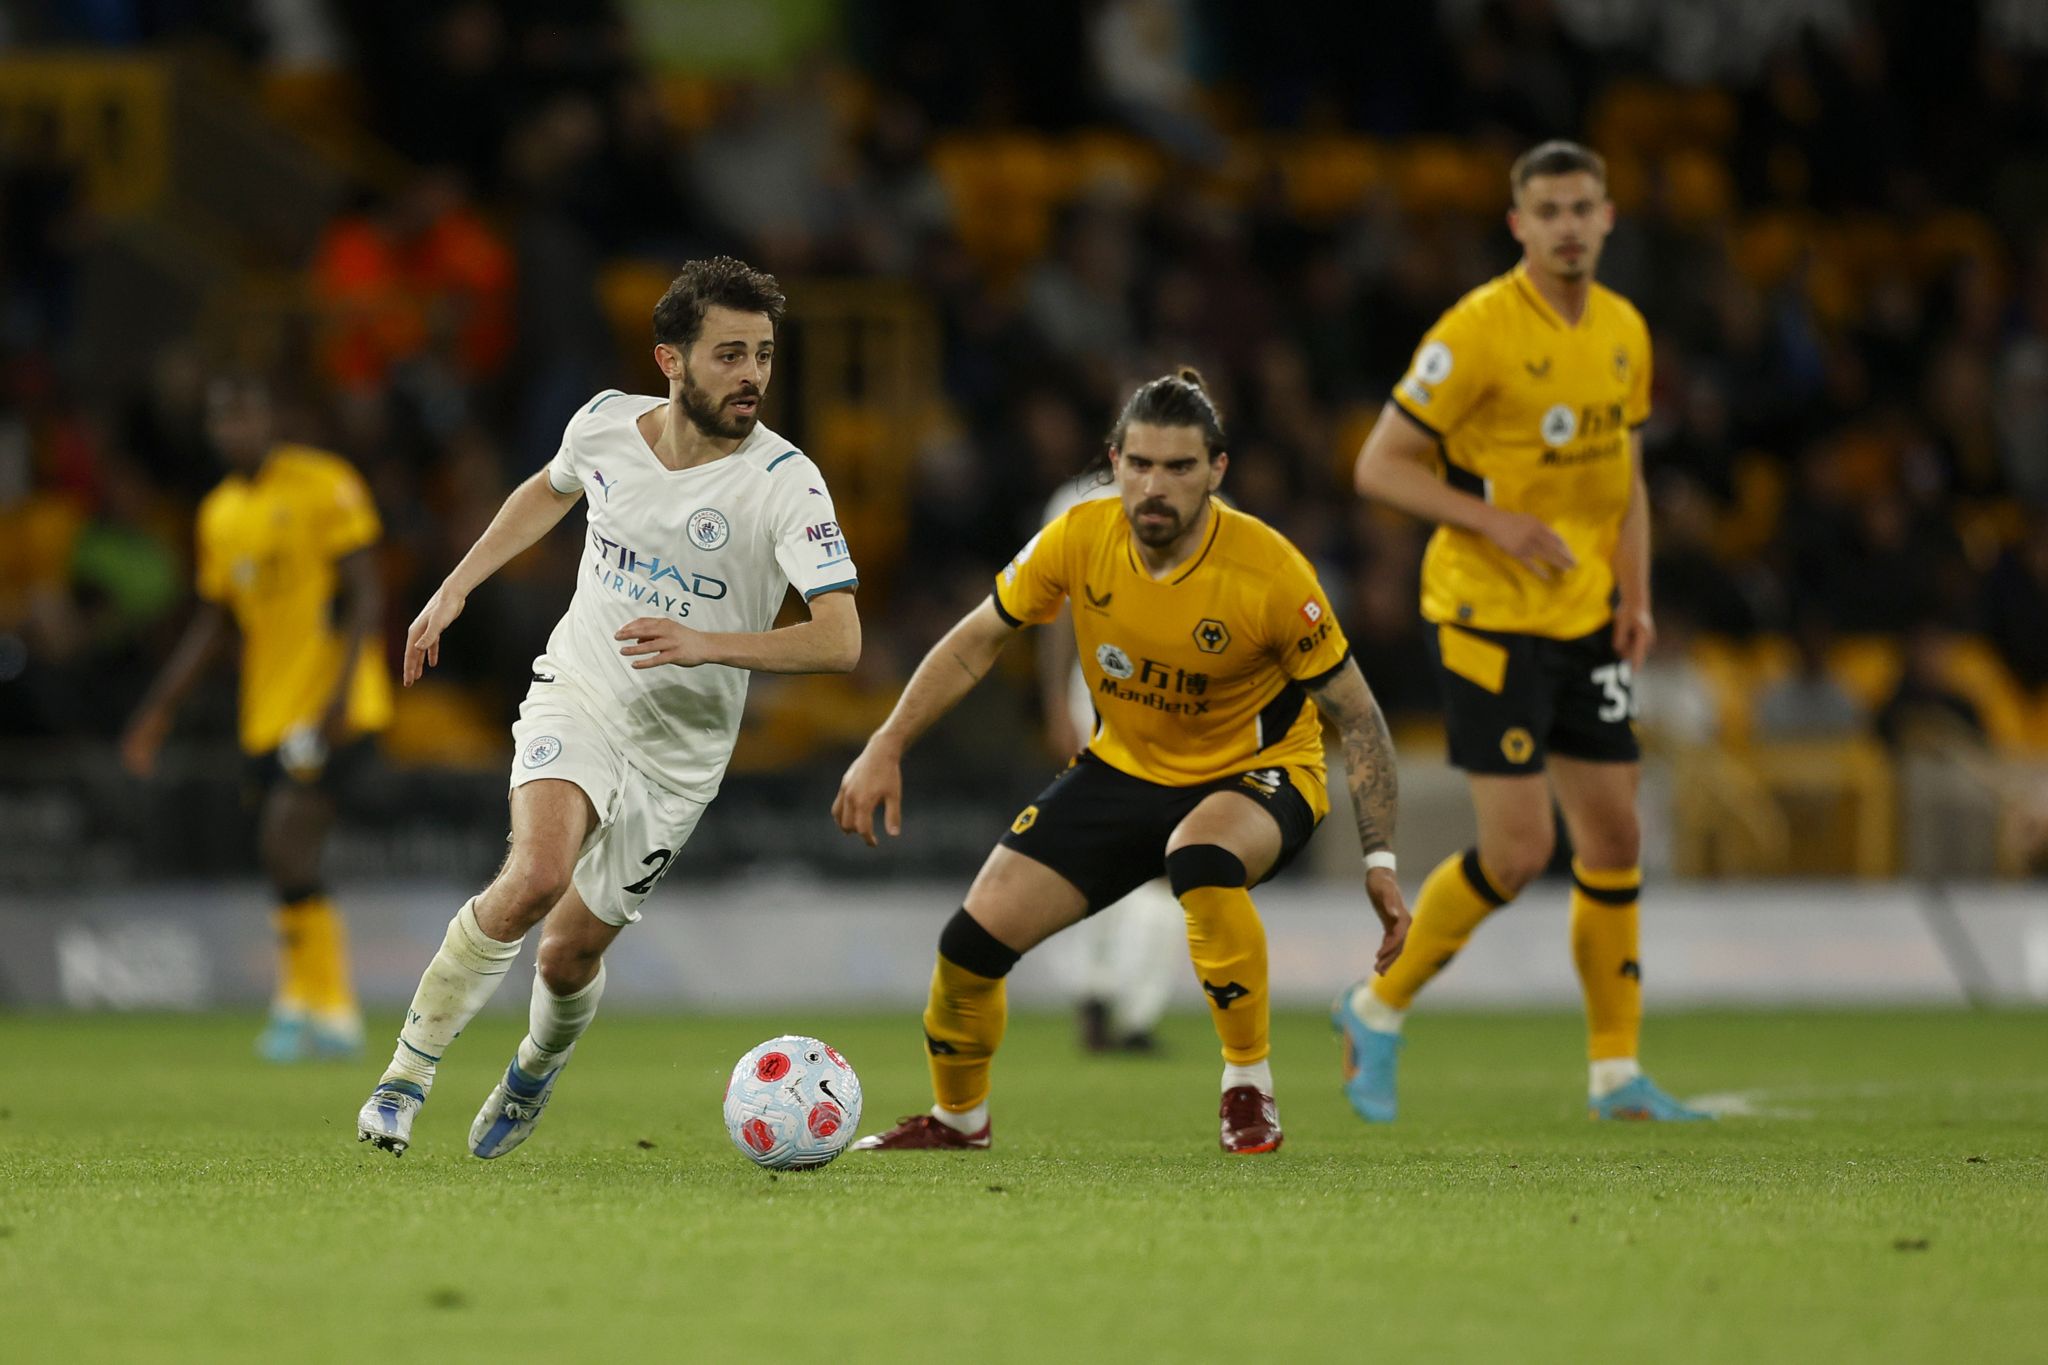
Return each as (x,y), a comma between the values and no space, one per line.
(1099,156)
(1725,664)
(1699,191)
(1327,175)
(1768,246)
(1867,667)
(1974,669)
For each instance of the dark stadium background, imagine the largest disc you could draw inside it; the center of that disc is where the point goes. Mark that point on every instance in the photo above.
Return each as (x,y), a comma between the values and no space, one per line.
(441,226)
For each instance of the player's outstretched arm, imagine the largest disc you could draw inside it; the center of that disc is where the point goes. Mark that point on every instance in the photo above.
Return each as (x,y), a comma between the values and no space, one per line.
(949,672)
(529,513)
(827,643)
(1375,793)
(1395,467)
(151,723)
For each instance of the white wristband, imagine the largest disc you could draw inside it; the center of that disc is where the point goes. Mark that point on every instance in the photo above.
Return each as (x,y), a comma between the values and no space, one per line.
(1381,858)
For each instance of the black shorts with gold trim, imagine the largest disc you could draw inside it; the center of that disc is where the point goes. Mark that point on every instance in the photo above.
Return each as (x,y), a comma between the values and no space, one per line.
(264,772)
(1105,831)
(1511,699)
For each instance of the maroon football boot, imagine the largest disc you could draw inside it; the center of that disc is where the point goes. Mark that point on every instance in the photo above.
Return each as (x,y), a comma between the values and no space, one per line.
(1251,1121)
(923,1133)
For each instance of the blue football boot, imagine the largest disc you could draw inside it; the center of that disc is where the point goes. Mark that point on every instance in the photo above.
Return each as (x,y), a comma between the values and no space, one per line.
(283,1038)
(1641,1100)
(511,1111)
(1369,1059)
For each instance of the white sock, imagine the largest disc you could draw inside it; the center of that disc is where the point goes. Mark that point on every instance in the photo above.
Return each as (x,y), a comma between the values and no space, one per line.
(1611,1075)
(555,1022)
(1378,1015)
(970,1121)
(457,983)
(1259,1074)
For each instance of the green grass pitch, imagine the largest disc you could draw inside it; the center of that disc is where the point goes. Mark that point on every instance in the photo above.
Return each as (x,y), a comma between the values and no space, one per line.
(163,1196)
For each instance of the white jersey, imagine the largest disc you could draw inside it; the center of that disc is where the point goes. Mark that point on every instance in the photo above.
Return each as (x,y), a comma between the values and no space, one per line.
(1086,487)
(716,546)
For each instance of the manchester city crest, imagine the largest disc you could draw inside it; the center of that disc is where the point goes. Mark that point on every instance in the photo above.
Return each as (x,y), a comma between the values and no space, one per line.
(708,529)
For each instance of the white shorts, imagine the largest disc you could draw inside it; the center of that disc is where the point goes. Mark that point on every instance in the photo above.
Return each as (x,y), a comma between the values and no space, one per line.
(641,826)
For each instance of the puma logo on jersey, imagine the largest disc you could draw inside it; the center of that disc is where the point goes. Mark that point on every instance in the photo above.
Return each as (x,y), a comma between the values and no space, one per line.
(1099,603)
(598,475)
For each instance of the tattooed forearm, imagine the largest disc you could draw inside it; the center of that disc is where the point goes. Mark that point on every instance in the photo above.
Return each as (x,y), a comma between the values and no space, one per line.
(1368,755)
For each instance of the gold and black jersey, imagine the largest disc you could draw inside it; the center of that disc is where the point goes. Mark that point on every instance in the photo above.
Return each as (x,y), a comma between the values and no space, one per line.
(1201,673)
(1534,415)
(268,546)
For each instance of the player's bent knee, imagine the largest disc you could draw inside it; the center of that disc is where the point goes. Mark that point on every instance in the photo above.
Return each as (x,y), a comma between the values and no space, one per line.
(1512,868)
(527,890)
(965,944)
(1199,865)
(566,967)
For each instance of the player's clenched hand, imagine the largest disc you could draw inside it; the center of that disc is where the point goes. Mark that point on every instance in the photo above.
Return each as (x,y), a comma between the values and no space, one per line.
(655,641)
(1541,550)
(1385,894)
(1635,631)
(423,640)
(876,778)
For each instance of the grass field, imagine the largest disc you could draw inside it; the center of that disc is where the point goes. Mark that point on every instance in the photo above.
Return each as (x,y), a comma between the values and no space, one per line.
(165,1197)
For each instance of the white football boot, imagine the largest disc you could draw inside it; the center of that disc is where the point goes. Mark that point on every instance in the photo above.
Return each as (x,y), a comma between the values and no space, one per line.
(385,1119)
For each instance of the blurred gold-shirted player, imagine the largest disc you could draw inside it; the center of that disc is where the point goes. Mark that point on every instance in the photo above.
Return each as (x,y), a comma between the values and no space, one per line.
(285,549)
(1517,430)
(1203,636)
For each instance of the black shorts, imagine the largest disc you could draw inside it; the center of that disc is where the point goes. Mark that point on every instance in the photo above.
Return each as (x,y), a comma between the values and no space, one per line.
(1510,699)
(262,772)
(1105,831)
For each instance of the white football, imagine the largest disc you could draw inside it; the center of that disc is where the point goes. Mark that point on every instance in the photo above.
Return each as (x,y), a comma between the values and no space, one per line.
(792,1104)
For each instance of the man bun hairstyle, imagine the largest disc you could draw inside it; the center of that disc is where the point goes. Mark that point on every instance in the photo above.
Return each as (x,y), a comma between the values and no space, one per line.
(1556,157)
(1180,399)
(715,280)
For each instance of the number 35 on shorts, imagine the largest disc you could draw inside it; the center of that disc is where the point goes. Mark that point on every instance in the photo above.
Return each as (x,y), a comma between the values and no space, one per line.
(1616,682)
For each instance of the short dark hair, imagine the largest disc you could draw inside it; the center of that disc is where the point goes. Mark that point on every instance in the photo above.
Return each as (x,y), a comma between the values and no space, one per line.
(1556,157)
(720,280)
(1179,399)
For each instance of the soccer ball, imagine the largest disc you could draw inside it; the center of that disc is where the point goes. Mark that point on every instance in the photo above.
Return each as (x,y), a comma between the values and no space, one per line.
(792,1104)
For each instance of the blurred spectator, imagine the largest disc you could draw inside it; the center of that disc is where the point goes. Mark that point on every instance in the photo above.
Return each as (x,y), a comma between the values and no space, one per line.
(1810,704)
(1924,712)
(2016,604)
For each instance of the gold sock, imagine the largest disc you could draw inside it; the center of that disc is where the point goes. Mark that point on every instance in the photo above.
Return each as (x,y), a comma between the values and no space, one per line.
(1228,944)
(1605,938)
(963,1027)
(294,994)
(1454,898)
(316,951)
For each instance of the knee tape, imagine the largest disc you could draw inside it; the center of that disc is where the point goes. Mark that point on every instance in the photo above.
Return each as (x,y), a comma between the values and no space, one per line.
(1203,865)
(965,944)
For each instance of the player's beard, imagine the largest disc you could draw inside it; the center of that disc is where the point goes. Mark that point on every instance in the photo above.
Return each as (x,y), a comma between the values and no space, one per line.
(710,417)
(1157,534)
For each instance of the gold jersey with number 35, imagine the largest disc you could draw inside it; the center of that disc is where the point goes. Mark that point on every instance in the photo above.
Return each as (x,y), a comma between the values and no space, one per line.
(1534,415)
(1202,673)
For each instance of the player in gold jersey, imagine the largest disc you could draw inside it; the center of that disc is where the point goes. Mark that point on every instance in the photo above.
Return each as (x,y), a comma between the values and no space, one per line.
(285,549)
(1528,396)
(1203,636)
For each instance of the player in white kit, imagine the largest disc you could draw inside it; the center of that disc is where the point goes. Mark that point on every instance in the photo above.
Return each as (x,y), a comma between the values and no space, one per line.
(700,521)
(1134,954)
